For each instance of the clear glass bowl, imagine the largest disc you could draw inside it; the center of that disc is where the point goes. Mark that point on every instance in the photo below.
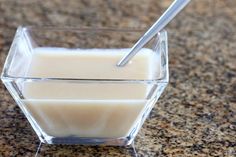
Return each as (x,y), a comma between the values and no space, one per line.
(91,109)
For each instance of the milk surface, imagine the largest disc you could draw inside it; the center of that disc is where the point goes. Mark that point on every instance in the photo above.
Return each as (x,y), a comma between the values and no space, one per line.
(86,109)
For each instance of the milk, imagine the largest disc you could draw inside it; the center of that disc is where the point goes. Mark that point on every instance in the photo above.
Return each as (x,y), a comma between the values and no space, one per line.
(88,109)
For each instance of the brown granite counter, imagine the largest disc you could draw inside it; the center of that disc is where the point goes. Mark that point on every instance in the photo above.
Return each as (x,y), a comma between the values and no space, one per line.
(195,116)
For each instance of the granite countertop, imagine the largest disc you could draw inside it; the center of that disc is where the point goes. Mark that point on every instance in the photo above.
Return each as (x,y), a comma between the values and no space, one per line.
(195,116)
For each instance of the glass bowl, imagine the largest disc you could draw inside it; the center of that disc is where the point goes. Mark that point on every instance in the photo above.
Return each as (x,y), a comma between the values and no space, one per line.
(93,107)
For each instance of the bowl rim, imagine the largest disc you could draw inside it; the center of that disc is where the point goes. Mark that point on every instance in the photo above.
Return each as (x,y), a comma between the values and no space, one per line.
(5,76)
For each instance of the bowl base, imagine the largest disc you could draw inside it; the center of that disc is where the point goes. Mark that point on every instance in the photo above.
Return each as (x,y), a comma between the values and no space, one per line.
(124,141)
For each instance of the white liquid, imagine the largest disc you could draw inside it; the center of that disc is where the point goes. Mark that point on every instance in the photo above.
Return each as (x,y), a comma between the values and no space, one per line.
(87,109)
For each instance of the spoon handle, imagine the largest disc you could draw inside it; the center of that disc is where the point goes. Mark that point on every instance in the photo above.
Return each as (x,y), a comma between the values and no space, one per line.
(168,15)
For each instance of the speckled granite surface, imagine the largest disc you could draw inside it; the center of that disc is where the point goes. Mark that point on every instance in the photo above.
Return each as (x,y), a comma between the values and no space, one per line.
(196,115)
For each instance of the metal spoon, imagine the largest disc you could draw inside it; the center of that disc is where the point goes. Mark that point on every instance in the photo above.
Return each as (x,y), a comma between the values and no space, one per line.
(168,15)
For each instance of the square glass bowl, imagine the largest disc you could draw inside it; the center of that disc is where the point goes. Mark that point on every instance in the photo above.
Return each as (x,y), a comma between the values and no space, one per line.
(91,108)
